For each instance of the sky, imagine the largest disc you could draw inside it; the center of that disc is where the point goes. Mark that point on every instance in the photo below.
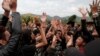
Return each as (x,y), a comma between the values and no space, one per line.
(51,7)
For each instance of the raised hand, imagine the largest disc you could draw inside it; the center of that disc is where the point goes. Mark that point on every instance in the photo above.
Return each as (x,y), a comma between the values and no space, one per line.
(83,12)
(94,6)
(6,5)
(13,5)
(43,17)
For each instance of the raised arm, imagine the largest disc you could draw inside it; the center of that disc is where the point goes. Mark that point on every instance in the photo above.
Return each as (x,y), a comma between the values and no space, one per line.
(43,37)
(96,14)
(15,33)
(83,20)
(86,33)
(6,7)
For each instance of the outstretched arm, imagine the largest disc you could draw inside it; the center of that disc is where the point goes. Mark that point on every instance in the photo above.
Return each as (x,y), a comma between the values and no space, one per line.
(88,36)
(96,14)
(44,41)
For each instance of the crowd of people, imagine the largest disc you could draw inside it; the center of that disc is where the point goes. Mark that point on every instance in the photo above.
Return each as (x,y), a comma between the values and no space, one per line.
(37,38)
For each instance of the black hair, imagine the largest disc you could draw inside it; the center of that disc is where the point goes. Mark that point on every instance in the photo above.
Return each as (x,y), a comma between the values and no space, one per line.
(79,34)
